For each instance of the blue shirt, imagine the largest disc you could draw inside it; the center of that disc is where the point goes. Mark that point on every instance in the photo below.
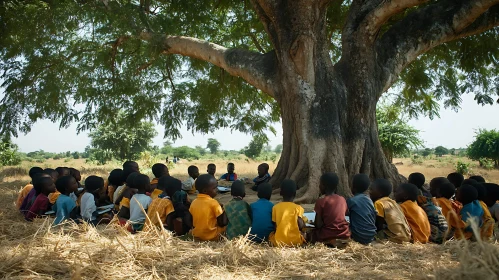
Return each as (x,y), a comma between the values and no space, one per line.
(63,207)
(472,211)
(262,225)
(229,177)
(362,218)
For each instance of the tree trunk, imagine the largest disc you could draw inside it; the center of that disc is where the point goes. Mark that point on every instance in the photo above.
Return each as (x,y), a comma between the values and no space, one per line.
(328,112)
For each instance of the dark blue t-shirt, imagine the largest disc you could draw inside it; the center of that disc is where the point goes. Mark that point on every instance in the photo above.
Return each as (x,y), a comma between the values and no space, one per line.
(262,224)
(362,218)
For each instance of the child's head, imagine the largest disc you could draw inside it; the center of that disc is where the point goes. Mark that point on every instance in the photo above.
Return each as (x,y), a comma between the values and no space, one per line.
(131,166)
(43,184)
(480,188)
(52,173)
(466,194)
(238,189)
(456,179)
(446,190)
(212,169)
(66,185)
(142,183)
(75,173)
(230,168)
(62,171)
(329,183)
(169,185)
(159,170)
(193,171)
(288,190)
(360,183)
(435,185)
(478,178)
(93,184)
(380,188)
(130,180)
(35,170)
(417,179)
(406,192)
(492,194)
(265,191)
(263,169)
(116,177)
(207,184)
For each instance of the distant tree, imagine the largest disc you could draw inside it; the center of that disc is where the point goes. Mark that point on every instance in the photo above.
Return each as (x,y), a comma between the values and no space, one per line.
(267,149)
(167,148)
(201,150)
(278,149)
(426,152)
(8,153)
(213,145)
(485,146)
(395,135)
(68,154)
(121,140)
(452,151)
(86,153)
(440,151)
(155,150)
(254,148)
(186,152)
(76,155)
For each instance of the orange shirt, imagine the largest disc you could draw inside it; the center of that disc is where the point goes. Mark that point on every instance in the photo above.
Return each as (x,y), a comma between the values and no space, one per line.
(158,210)
(453,219)
(156,193)
(487,229)
(398,230)
(53,197)
(22,195)
(418,221)
(204,211)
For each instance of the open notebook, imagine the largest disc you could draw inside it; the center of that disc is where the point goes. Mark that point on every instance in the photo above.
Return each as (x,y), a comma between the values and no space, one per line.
(311,218)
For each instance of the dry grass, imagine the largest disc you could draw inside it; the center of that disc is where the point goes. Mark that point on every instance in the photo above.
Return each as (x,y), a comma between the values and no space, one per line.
(38,251)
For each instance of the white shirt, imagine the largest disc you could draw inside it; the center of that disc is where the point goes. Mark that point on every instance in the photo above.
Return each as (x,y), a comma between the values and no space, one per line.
(187,184)
(116,192)
(138,207)
(88,207)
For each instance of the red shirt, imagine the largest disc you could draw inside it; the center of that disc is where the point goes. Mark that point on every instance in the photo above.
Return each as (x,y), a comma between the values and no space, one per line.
(39,207)
(332,209)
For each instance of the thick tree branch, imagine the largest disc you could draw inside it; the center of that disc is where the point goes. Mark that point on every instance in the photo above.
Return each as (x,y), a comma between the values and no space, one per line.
(429,27)
(257,69)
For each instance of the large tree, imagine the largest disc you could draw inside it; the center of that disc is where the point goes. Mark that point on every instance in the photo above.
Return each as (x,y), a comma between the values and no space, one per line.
(319,65)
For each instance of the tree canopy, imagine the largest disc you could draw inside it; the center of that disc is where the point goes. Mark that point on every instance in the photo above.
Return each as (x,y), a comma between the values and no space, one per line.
(213,145)
(485,146)
(441,150)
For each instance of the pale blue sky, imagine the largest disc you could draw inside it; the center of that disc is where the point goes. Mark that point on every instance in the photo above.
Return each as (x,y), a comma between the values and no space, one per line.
(452,130)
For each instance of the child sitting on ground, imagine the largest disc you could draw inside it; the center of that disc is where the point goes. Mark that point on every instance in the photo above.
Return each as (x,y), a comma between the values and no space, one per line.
(24,192)
(331,227)
(472,211)
(263,176)
(406,195)
(492,199)
(444,190)
(208,217)
(456,179)
(189,185)
(361,210)
(238,212)
(162,205)
(212,169)
(262,226)
(288,218)
(88,207)
(114,180)
(391,223)
(124,199)
(418,180)
(31,196)
(140,202)
(159,170)
(178,220)
(61,172)
(65,207)
(487,229)
(43,187)
(230,175)
(438,223)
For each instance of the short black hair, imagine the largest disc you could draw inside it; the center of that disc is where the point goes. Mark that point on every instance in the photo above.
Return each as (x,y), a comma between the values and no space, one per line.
(330,181)
(478,178)
(456,179)
(437,182)
(265,191)
(129,164)
(49,171)
(141,182)
(157,169)
(265,165)
(62,183)
(417,179)
(467,194)
(73,171)
(116,177)
(93,183)
(288,188)
(384,186)
(130,181)
(34,170)
(203,181)
(447,190)
(169,185)
(211,164)
(492,191)
(41,181)
(230,163)
(480,188)
(238,189)
(192,169)
(410,190)
(61,170)
(126,172)
(360,183)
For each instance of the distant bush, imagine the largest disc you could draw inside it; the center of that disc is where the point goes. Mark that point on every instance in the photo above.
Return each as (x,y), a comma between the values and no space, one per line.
(486,163)
(462,168)
(9,154)
(417,160)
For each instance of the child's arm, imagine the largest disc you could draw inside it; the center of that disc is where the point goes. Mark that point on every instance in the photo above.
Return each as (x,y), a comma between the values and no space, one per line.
(222,220)
(301,223)
(318,223)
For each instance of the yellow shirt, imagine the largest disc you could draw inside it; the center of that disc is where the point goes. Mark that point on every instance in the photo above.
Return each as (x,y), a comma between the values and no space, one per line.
(204,211)
(156,193)
(158,210)
(22,195)
(285,215)
(125,202)
(398,229)
(487,229)
(418,221)
(53,196)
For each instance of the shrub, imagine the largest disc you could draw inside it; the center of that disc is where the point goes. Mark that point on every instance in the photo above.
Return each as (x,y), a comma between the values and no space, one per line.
(486,163)
(462,168)
(9,154)
(417,160)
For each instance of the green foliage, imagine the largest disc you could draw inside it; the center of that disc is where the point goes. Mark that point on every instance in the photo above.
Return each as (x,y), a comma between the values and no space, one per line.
(120,140)
(278,149)
(76,155)
(462,167)
(9,154)
(486,163)
(167,148)
(395,135)
(440,151)
(255,146)
(201,150)
(100,156)
(185,152)
(213,145)
(426,152)
(485,146)
(57,157)
(417,160)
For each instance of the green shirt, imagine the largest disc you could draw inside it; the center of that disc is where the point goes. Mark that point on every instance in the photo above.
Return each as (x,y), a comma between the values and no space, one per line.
(239,216)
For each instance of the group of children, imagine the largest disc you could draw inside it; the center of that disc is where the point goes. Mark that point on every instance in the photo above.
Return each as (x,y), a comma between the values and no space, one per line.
(447,209)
